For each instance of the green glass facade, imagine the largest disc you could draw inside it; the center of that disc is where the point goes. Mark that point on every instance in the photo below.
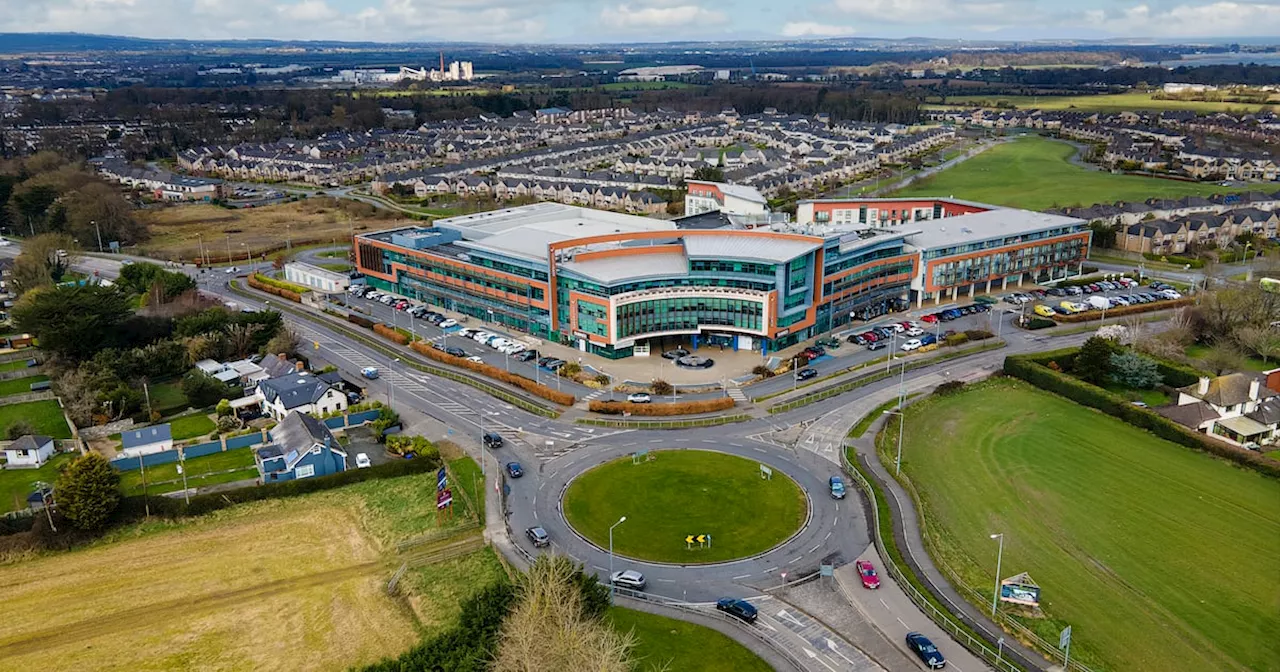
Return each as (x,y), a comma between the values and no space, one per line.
(686,314)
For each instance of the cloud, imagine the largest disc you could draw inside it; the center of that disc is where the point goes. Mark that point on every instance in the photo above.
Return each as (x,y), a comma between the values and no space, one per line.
(814,29)
(939,12)
(308,10)
(660,15)
(1216,19)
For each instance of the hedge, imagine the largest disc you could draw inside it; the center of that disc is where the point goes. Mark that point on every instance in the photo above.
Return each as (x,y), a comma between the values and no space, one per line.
(1126,310)
(362,321)
(280,284)
(390,333)
(256,282)
(1177,375)
(1040,323)
(673,408)
(1174,259)
(1029,369)
(562,398)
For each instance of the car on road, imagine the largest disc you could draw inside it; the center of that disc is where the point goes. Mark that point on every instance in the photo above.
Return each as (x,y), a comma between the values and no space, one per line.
(514,470)
(362,461)
(867,572)
(538,536)
(492,440)
(1044,311)
(445,324)
(913,344)
(926,651)
(628,578)
(369,372)
(738,608)
(806,373)
(475,358)
(639,398)
(836,485)
(456,352)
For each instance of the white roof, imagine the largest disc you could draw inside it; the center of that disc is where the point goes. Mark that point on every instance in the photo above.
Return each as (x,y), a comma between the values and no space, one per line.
(772,249)
(948,231)
(609,270)
(743,191)
(527,230)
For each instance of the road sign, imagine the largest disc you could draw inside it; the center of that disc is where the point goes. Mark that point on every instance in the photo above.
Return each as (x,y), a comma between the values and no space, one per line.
(826,570)
(1064,639)
(702,538)
(640,456)
(444,498)
(766,473)
(442,479)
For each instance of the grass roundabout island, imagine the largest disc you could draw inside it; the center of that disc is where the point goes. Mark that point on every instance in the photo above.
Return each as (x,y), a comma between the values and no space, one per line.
(677,493)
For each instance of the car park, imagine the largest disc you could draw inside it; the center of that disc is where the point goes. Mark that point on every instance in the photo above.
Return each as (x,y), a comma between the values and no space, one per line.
(514,470)
(806,373)
(538,536)
(492,440)
(913,344)
(738,608)
(867,573)
(639,398)
(926,651)
(628,578)
(836,485)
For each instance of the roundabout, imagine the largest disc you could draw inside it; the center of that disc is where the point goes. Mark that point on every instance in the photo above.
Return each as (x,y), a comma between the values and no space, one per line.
(669,496)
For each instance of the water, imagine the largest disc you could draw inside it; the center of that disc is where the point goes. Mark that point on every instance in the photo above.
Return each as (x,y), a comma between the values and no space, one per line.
(1197,60)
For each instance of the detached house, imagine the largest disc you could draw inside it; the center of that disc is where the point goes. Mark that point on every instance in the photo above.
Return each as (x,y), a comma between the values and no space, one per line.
(301,447)
(1236,407)
(28,451)
(153,439)
(301,392)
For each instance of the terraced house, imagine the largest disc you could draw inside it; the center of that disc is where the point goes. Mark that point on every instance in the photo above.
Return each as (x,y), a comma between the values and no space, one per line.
(613,284)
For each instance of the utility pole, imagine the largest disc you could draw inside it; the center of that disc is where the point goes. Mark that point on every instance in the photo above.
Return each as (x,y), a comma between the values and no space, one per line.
(147,392)
(229,259)
(142,466)
(182,461)
(99,232)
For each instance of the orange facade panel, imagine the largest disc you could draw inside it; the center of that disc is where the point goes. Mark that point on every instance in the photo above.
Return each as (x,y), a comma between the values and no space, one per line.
(928,279)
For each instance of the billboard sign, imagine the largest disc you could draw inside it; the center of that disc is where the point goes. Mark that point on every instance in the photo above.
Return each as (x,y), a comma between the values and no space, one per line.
(1020,589)
(444,498)
(442,479)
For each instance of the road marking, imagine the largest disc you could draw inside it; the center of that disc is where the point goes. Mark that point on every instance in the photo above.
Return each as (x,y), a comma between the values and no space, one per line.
(771,569)
(795,559)
(816,547)
(832,645)
(708,441)
(835,520)
(827,537)
(759,450)
(904,623)
(665,580)
(815,657)
(736,578)
(886,604)
(766,624)
(655,440)
(782,613)
(736,445)
(600,568)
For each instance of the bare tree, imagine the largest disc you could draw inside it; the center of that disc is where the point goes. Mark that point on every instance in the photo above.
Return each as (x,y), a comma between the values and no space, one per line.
(1261,341)
(1222,358)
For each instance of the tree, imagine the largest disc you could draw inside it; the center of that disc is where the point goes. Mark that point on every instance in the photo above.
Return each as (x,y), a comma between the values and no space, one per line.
(87,492)
(223,408)
(1261,341)
(661,387)
(40,265)
(1093,362)
(18,429)
(709,174)
(285,341)
(202,390)
(145,278)
(1222,358)
(240,338)
(98,209)
(1134,371)
(74,322)
(1104,234)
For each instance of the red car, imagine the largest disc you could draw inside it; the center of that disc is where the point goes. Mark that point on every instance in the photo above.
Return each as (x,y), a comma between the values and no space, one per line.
(871,338)
(930,318)
(867,572)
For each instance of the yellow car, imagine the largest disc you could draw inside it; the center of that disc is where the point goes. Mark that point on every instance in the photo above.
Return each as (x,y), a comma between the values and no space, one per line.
(1044,311)
(1069,307)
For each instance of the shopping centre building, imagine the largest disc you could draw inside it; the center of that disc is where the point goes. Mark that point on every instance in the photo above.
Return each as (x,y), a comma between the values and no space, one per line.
(618,285)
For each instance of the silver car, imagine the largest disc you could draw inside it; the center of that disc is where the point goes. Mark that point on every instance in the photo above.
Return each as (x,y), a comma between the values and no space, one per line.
(628,579)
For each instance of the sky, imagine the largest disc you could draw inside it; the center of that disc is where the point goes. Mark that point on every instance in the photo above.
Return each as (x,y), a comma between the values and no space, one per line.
(603,21)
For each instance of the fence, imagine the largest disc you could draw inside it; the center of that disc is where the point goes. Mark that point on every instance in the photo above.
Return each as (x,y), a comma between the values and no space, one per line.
(20,373)
(351,420)
(664,424)
(25,397)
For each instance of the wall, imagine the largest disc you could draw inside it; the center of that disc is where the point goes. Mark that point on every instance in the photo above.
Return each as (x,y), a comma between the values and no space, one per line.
(103,431)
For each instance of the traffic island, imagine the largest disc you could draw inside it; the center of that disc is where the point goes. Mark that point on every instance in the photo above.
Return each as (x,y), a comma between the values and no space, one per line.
(685,506)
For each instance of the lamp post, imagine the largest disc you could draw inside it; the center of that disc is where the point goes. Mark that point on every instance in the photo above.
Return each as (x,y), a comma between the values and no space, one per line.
(391,388)
(897,462)
(613,588)
(999,556)
(99,232)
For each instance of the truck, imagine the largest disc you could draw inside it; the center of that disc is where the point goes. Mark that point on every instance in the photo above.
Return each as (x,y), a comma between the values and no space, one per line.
(1099,302)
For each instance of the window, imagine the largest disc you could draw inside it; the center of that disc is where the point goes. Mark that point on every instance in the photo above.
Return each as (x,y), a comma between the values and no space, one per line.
(304,471)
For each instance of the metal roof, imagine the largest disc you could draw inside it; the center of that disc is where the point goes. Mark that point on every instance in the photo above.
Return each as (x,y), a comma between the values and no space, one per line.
(609,270)
(961,229)
(145,436)
(772,249)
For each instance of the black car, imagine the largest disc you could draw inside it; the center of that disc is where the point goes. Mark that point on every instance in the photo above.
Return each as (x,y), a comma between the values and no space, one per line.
(515,470)
(739,608)
(538,536)
(857,338)
(492,440)
(526,355)
(928,653)
(877,345)
(806,374)
(555,364)
(456,352)
(543,362)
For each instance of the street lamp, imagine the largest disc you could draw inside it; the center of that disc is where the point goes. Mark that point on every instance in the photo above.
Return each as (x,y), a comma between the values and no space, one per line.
(999,556)
(897,462)
(613,586)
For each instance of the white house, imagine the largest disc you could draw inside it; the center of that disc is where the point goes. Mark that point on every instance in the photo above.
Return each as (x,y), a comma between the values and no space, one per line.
(153,439)
(734,199)
(301,392)
(318,279)
(29,451)
(1236,407)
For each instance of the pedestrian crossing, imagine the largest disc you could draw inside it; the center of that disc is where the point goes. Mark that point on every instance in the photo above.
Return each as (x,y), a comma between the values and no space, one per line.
(738,396)
(584,402)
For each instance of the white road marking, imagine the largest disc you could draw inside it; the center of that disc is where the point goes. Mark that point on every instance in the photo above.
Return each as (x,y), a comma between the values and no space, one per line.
(741,577)
(736,445)
(832,645)
(815,657)
(782,613)
(886,604)
(835,520)
(816,547)
(766,624)
(771,569)
(904,623)
(827,537)
(759,450)
(665,580)
(655,440)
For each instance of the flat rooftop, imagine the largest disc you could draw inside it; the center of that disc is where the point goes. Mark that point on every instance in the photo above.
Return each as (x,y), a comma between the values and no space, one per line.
(526,231)
(979,226)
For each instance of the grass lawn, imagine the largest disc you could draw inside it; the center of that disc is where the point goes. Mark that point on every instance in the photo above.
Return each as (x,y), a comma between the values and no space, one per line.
(337,267)
(165,477)
(167,397)
(15,484)
(436,592)
(670,644)
(45,417)
(1255,364)
(1148,397)
(296,583)
(1115,102)
(1035,173)
(865,423)
(1159,557)
(683,492)
(19,385)
(15,365)
(191,426)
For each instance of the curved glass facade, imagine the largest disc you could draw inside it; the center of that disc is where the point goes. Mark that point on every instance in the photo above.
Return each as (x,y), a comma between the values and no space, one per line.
(656,316)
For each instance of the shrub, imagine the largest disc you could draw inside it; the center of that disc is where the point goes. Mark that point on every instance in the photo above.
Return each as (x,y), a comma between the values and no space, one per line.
(1040,323)
(361,321)
(526,384)
(1126,310)
(88,491)
(978,334)
(762,371)
(401,444)
(280,284)
(957,339)
(1134,371)
(256,281)
(671,408)
(1093,361)
(1177,375)
(602,379)
(390,333)
(1174,259)
(662,387)
(949,387)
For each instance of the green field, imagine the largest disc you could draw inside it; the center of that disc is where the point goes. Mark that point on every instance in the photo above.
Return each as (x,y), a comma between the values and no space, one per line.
(167,397)
(668,644)
(223,467)
(683,492)
(190,426)
(45,417)
(337,267)
(1035,173)
(1251,363)
(19,385)
(15,484)
(644,86)
(1160,558)
(15,365)
(1115,102)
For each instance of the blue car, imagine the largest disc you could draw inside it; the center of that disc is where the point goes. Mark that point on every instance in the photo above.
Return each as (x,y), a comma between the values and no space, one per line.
(928,653)
(515,470)
(928,339)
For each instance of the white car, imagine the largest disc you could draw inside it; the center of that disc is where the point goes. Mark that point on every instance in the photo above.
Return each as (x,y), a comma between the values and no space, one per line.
(515,348)
(481,336)
(897,327)
(476,359)
(499,344)
(628,579)
(910,345)
(1170,294)
(915,331)
(4,242)
(639,398)
(362,461)
(448,323)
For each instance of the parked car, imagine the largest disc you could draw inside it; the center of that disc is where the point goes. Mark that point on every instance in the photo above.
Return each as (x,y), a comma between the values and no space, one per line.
(1074,291)
(445,324)
(867,572)
(877,345)
(514,470)
(362,461)
(492,440)
(1044,311)
(927,652)
(928,339)
(475,358)
(829,343)
(527,355)
(538,536)
(370,372)
(806,373)
(858,339)
(915,331)
(930,318)
(456,352)
(739,608)
(836,485)
(1057,291)
(639,398)
(913,344)
(628,578)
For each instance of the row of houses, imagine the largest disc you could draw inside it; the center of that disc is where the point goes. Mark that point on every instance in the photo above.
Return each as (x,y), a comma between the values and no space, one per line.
(1203,229)
(504,189)
(162,184)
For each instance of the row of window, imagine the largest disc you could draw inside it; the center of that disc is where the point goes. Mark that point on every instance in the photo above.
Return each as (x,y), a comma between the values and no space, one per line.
(859,259)
(873,273)
(684,314)
(424,265)
(716,266)
(1001,242)
(1007,263)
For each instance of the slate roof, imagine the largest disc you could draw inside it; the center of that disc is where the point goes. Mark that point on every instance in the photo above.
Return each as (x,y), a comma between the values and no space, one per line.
(295,435)
(29,442)
(1188,415)
(293,390)
(1227,390)
(145,436)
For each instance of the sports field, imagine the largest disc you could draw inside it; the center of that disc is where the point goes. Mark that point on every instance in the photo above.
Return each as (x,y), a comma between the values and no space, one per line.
(684,492)
(1036,173)
(1160,558)
(1115,102)
(287,584)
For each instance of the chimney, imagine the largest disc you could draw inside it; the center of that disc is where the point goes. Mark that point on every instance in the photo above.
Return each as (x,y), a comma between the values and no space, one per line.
(298,366)
(1203,387)
(328,438)
(282,358)
(1254,388)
